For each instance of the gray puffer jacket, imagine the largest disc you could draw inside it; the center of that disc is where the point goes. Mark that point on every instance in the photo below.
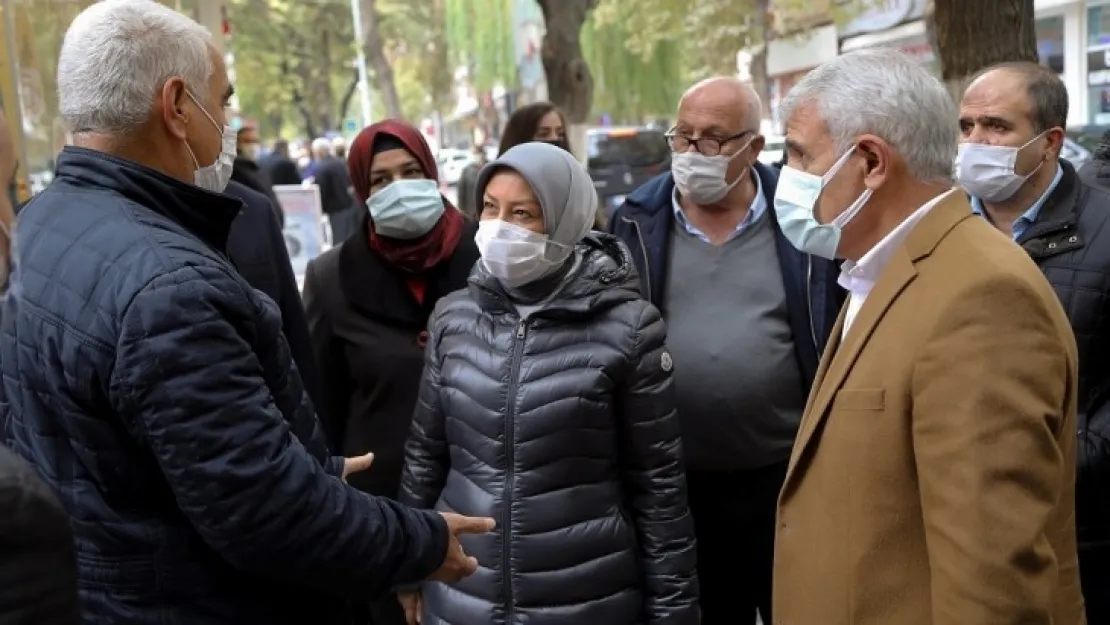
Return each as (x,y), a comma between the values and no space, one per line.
(562,428)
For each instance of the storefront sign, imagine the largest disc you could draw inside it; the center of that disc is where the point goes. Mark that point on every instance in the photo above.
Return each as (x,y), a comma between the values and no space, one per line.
(882,14)
(304,224)
(805,51)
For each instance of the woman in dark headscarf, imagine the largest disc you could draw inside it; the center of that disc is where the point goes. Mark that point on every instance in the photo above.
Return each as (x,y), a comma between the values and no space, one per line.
(368,302)
(547,405)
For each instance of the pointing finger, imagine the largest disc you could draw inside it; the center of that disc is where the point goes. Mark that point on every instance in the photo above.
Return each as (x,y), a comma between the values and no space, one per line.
(357,464)
(474,525)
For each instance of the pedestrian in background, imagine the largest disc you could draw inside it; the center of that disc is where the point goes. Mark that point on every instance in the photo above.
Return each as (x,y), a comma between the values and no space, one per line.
(1012,121)
(369,299)
(539,121)
(547,404)
(932,480)
(467,195)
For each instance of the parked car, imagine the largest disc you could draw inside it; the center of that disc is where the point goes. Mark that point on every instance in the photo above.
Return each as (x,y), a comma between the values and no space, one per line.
(619,160)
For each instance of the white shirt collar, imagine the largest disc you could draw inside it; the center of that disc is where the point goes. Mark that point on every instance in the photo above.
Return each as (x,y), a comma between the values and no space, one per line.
(858,278)
(755,211)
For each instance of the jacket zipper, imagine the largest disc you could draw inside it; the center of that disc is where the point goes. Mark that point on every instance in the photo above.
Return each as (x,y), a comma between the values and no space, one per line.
(510,475)
(809,305)
(643,251)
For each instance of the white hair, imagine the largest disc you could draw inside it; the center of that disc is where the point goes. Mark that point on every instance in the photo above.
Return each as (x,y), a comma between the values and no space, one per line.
(320,145)
(117,55)
(885,93)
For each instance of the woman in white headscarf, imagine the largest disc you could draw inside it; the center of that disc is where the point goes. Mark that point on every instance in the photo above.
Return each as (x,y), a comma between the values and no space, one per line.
(547,404)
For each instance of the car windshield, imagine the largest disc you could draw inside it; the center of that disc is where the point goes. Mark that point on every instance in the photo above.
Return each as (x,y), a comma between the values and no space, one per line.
(642,148)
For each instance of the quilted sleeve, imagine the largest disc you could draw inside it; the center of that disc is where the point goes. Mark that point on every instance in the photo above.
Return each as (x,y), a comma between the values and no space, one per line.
(192,391)
(426,457)
(653,470)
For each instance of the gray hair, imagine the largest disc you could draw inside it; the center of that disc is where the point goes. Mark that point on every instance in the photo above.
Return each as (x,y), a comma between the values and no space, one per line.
(117,55)
(885,93)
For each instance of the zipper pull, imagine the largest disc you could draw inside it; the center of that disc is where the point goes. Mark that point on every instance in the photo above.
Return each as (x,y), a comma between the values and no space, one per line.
(520,330)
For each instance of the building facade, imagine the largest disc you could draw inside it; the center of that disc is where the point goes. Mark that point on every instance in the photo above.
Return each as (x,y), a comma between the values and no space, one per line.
(1073,38)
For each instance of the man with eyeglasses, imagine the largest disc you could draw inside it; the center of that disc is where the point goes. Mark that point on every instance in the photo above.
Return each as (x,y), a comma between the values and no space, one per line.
(747,317)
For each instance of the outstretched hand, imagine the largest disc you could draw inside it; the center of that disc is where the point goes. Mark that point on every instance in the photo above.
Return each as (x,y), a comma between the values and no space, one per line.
(357,464)
(457,565)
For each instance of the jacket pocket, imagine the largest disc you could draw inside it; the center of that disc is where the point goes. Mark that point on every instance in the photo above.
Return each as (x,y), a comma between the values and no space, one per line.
(859,399)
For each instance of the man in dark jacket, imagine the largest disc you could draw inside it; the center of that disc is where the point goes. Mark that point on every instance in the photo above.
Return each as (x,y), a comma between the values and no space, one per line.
(257,249)
(247,172)
(151,385)
(336,195)
(38,574)
(747,317)
(1062,219)
(279,167)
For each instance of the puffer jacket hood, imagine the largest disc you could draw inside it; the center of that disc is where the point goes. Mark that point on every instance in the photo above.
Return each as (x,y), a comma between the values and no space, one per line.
(560,424)
(601,275)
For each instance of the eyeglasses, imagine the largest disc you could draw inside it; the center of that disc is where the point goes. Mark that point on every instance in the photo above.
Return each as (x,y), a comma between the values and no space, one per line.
(709,146)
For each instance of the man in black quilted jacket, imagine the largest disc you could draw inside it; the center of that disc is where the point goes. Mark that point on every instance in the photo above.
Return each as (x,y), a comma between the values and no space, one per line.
(152,387)
(1012,120)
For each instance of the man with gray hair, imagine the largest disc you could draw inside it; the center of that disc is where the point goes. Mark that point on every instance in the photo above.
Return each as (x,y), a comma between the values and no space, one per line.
(747,317)
(1012,120)
(152,387)
(932,478)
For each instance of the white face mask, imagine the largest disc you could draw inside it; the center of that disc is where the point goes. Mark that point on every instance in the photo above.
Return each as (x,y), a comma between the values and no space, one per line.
(406,209)
(215,177)
(517,256)
(987,171)
(702,179)
(796,203)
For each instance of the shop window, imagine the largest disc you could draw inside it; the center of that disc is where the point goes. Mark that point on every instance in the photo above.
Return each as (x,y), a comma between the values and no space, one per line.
(1050,42)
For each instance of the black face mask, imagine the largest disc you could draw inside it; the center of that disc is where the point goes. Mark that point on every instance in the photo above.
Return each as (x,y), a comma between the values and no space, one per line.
(559,143)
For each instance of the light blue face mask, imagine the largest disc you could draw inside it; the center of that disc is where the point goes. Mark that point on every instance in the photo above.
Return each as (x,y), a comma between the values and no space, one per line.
(406,209)
(795,206)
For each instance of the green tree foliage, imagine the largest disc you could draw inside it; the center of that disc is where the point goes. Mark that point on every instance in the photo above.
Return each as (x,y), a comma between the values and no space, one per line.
(628,86)
(480,37)
(294,60)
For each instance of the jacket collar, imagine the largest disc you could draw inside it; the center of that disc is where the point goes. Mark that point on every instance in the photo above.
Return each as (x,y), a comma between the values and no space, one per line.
(1059,209)
(206,215)
(840,355)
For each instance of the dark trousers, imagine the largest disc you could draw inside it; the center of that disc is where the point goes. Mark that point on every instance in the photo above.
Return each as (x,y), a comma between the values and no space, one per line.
(1094,574)
(734,518)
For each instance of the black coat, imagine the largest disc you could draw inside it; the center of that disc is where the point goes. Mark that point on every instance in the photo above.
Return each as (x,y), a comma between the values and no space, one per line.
(281,169)
(368,332)
(257,249)
(562,427)
(336,194)
(1070,241)
(38,573)
(152,388)
(248,173)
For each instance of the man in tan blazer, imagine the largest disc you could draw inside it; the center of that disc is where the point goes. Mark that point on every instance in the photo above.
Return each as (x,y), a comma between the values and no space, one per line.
(932,480)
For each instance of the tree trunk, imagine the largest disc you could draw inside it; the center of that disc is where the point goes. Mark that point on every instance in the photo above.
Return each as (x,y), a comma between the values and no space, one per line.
(569,82)
(970,35)
(761,82)
(374,48)
(348,95)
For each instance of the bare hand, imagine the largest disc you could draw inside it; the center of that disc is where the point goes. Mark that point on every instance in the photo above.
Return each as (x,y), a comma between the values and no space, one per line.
(410,601)
(457,565)
(357,464)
